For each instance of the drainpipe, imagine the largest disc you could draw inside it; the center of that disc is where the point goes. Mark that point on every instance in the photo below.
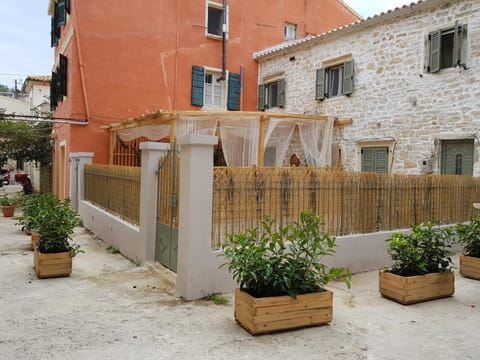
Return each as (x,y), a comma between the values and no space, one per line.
(224,42)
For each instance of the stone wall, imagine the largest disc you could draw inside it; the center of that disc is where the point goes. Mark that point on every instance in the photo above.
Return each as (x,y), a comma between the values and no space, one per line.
(395,101)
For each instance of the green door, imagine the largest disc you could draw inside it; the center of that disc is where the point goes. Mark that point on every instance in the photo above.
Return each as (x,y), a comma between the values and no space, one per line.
(457,157)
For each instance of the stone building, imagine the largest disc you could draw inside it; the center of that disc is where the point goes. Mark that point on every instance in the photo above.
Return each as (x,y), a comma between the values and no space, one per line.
(408,78)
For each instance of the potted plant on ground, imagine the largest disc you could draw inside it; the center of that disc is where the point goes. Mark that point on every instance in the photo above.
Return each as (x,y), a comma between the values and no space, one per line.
(422,268)
(281,277)
(32,206)
(54,251)
(469,236)
(8,205)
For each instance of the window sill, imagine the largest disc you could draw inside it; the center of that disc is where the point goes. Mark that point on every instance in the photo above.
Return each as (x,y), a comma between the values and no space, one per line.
(214,37)
(213,108)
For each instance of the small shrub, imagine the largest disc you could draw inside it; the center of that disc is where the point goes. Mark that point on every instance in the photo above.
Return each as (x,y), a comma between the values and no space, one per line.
(112,249)
(425,250)
(32,205)
(284,262)
(217,299)
(469,236)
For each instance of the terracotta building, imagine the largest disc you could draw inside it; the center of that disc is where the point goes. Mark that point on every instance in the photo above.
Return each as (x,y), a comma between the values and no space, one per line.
(118,59)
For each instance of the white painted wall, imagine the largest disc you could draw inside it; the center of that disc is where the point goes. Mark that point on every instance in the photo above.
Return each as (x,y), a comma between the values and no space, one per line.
(394,100)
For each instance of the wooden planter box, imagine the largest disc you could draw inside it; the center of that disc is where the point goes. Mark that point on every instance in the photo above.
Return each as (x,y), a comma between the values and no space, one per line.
(413,289)
(264,315)
(52,265)
(35,238)
(470,267)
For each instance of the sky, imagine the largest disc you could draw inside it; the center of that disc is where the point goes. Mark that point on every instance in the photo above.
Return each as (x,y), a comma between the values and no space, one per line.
(25,36)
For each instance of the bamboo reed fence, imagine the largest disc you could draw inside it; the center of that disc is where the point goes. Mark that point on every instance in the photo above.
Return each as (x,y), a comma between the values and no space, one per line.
(115,189)
(348,203)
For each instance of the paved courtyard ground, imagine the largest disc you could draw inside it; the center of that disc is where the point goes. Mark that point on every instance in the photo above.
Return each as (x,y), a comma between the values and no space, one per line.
(110,308)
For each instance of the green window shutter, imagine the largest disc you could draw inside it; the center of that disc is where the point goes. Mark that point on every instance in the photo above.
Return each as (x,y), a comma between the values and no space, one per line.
(53,94)
(67,6)
(53,31)
(348,77)
(63,75)
(261,97)
(381,160)
(198,81)
(62,13)
(368,159)
(233,102)
(281,93)
(434,54)
(320,85)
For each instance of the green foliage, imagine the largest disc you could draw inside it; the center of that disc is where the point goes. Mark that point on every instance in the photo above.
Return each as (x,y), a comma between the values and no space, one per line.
(30,142)
(32,205)
(112,249)
(425,250)
(469,236)
(217,299)
(7,201)
(284,262)
(55,225)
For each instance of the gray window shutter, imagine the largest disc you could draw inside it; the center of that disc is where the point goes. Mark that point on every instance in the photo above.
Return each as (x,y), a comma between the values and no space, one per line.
(368,159)
(320,85)
(261,97)
(434,54)
(198,81)
(233,102)
(348,77)
(281,93)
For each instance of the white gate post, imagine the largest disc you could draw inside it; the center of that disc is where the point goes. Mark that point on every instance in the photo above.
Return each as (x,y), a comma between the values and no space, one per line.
(151,154)
(77,176)
(195,215)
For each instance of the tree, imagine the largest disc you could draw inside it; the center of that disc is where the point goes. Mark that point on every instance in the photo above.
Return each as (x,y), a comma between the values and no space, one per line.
(27,141)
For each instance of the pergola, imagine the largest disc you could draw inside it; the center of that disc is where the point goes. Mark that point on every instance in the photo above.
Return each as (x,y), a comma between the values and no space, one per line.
(165,124)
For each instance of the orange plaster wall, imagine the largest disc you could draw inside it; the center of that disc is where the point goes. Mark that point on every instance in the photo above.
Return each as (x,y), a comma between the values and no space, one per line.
(136,57)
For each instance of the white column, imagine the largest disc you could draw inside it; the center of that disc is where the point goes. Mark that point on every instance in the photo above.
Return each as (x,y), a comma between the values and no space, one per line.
(195,215)
(151,154)
(77,178)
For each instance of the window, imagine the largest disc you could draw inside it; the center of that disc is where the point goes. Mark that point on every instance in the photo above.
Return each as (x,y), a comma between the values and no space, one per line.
(58,85)
(457,157)
(215,20)
(59,19)
(446,48)
(375,159)
(271,94)
(209,90)
(290,31)
(334,81)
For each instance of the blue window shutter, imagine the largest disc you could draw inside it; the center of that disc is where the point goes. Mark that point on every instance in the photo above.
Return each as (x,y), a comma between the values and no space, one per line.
(233,102)
(320,85)
(62,13)
(348,77)
(281,93)
(261,97)
(434,53)
(198,81)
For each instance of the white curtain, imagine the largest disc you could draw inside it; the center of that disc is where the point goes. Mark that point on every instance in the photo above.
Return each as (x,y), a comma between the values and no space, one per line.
(279,134)
(151,132)
(316,139)
(240,141)
(188,125)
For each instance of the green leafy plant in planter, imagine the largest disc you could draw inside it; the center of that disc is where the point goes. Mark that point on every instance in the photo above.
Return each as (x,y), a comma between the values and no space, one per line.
(8,204)
(468,235)
(425,251)
(32,206)
(54,252)
(284,264)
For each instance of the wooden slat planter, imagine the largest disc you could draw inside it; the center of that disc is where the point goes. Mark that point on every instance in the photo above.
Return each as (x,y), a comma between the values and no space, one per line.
(264,315)
(52,265)
(470,267)
(413,289)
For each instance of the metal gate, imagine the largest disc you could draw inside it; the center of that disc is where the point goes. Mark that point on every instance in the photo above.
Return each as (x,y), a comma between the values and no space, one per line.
(166,244)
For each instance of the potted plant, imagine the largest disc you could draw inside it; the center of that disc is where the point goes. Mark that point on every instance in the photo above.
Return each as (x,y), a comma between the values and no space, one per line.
(469,236)
(422,268)
(32,206)
(53,252)
(281,277)
(8,205)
